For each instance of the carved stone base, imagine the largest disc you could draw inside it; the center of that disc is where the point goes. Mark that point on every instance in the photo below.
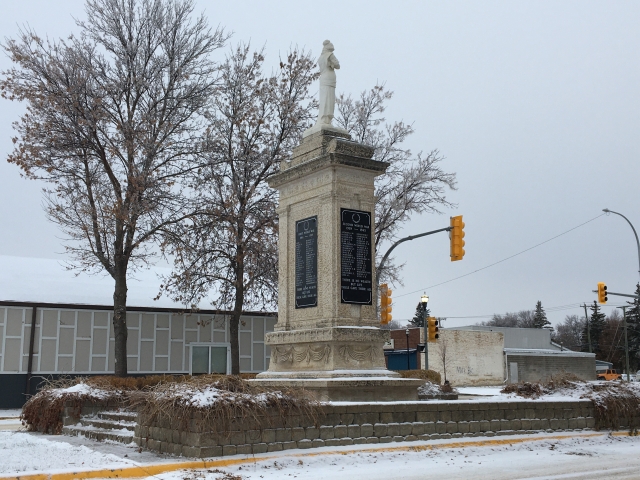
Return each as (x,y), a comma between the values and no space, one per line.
(327,349)
(355,389)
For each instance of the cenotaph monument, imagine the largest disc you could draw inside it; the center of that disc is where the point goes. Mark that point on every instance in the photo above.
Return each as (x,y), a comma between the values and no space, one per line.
(327,339)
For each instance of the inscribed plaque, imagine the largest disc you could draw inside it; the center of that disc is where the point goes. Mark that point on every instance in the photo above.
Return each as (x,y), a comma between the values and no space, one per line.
(307,262)
(355,257)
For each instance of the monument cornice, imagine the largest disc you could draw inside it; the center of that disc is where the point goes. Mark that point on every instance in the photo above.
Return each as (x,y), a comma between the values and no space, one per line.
(323,162)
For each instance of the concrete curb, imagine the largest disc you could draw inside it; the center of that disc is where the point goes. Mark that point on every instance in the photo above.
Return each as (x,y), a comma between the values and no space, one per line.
(155,469)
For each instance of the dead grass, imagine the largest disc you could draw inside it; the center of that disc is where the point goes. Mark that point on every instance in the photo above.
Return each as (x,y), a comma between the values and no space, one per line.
(617,404)
(237,403)
(43,411)
(428,375)
(164,395)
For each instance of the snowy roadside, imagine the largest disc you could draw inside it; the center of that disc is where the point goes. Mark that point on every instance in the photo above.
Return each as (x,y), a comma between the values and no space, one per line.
(23,453)
(532,459)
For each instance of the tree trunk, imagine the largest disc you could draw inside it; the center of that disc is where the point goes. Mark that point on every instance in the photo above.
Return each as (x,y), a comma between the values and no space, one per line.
(234,332)
(120,319)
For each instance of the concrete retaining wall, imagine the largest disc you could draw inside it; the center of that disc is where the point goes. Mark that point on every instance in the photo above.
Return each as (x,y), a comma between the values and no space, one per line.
(366,423)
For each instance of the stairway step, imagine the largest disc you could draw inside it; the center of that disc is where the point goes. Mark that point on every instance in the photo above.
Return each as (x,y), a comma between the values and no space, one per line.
(107,424)
(119,415)
(100,434)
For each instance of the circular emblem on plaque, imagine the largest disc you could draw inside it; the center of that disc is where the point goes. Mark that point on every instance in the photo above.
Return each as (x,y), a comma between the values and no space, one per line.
(306,225)
(355,218)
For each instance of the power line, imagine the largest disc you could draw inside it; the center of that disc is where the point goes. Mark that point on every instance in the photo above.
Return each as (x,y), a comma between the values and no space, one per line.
(558,308)
(499,261)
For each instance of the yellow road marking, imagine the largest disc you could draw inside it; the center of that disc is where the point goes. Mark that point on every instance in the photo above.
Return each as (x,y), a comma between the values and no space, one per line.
(155,469)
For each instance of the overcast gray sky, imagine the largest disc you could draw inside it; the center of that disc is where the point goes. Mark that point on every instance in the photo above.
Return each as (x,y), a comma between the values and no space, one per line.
(535,105)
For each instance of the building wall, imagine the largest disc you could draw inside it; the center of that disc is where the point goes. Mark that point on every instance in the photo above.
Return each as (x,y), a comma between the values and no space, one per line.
(399,338)
(472,357)
(81,341)
(534,368)
(535,338)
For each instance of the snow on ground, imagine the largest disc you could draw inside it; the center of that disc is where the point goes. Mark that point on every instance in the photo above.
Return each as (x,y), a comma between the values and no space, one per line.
(10,413)
(484,391)
(597,458)
(26,452)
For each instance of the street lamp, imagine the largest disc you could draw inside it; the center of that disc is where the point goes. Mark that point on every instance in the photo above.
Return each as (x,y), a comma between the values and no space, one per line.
(606,210)
(424,299)
(408,364)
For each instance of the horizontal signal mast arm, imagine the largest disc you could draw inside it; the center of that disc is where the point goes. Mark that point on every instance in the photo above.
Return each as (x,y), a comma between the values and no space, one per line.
(405,239)
(618,294)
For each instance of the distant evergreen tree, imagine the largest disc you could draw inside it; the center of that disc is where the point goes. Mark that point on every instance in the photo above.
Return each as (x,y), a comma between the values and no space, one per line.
(596,324)
(420,315)
(539,317)
(633,320)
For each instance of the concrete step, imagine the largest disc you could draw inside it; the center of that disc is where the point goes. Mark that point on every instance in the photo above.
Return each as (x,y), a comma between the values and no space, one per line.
(107,424)
(113,425)
(100,434)
(119,415)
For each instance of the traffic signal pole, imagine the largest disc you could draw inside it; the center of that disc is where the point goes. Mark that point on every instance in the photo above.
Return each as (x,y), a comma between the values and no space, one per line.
(405,239)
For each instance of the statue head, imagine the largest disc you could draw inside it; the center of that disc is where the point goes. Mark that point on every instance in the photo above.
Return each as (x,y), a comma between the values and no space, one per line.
(327,46)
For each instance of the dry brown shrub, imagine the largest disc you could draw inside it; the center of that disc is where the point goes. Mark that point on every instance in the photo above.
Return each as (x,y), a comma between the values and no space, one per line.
(43,411)
(132,383)
(237,402)
(616,405)
(525,389)
(563,380)
(428,375)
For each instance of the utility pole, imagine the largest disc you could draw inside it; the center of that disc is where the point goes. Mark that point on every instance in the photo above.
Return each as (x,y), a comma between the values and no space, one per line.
(588,327)
(626,341)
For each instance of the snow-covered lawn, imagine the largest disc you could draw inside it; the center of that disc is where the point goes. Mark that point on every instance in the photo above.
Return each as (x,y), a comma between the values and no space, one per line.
(23,452)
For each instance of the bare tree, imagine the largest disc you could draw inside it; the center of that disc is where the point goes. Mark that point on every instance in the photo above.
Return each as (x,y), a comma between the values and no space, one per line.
(569,332)
(442,355)
(230,247)
(412,183)
(521,319)
(114,122)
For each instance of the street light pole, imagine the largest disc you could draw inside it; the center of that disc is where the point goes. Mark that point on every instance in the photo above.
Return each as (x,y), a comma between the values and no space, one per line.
(408,364)
(424,299)
(606,210)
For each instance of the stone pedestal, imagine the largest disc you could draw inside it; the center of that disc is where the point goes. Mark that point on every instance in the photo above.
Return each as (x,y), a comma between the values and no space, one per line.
(323,344)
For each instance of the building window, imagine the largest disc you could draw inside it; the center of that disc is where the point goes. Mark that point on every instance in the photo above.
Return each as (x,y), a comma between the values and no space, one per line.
(210,358)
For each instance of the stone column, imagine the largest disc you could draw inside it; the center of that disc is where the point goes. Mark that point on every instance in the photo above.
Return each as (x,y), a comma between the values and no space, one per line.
(322,343)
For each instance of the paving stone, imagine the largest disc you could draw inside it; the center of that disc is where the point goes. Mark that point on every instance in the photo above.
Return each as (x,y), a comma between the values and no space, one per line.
(228,450)
(305,443)
(317,443)
(366,430)
(380,429)
(297,434)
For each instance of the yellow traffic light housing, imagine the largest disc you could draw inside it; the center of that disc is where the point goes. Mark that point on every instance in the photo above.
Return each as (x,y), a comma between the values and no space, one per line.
(456,236)
(433,329)
(385,304)
(602,293)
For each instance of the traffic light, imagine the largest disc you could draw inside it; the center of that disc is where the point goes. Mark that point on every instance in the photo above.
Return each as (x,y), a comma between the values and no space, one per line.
(602,293)
(385,304)
(456,236)
(433,329)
